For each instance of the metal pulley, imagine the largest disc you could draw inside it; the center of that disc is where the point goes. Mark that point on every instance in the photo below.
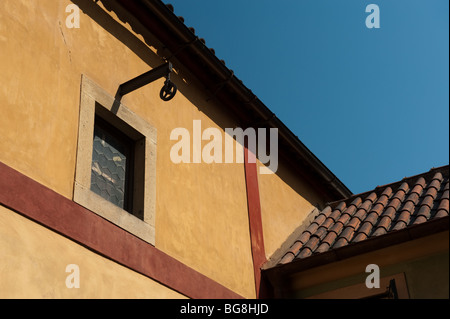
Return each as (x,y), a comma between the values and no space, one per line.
(168,91)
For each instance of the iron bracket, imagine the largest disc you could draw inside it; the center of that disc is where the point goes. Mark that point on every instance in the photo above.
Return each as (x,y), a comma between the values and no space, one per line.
(144,79)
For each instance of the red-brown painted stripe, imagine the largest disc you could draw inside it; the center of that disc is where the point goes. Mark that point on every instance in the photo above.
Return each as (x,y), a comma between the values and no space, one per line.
(255,219)
(39,203)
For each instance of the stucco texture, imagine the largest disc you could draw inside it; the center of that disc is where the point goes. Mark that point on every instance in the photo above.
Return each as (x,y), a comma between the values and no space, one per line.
(201,209)
(34,259)
(286,201)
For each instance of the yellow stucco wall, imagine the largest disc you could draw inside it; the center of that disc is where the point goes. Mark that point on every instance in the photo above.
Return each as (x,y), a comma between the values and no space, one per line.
(286,201)
(33,263)
(201,209)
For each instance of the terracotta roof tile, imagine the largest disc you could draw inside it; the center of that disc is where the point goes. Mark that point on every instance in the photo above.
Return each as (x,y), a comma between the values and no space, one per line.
(400,195)
(380,204)
(441,213)
(344,219)
(420,219)
(287,258)
(387,209)
(360,214)
(337,228)
(404,187)
(327,223)
(342,241)
(341,206)
(386,193)
(296,247)
(354,223)
(418,187)
(322,248)
(365,206)
(345,237)
(312,243)
(314,226)
(335,215)
(368,202)
(372,218)
(391,209)
(385,222)
(304,237)
(390,212)
(327,211)
(427,201)
(409,206)
(305,253)
(431,192)
(366,229)
(372,197)
(443,208)
(383,226)
(356,202)
(293,251)
(413,198)
(330,238)
(320,233)
(360,237)
(395,201)
(402,220)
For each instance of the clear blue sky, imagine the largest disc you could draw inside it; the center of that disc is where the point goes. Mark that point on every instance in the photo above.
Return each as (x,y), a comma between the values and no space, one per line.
(371,104)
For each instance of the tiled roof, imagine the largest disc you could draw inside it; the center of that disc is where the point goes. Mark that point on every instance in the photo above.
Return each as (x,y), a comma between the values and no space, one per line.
(414,200)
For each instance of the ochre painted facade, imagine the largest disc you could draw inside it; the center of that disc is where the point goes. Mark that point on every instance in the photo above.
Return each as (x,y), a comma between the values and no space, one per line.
(201,209)
(34,261)
(285,200)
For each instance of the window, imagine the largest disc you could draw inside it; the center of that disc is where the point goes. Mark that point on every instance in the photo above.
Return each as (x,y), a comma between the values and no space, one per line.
(111,168)
(116,162)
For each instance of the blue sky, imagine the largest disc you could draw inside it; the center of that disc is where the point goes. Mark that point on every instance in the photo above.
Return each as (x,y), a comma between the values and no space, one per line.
(371,104)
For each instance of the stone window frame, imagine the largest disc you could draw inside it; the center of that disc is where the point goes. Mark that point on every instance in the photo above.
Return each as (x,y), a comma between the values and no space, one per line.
(95,101)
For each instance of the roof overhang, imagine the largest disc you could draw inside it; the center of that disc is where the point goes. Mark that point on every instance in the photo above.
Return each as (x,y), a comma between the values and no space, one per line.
(413,232)
(186,50)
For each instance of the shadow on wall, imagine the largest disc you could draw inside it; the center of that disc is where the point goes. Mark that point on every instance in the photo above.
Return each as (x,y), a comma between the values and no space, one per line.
(153,60)
(189,86)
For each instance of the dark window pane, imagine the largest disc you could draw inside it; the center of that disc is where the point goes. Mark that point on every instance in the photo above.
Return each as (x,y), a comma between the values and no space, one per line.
(110,170)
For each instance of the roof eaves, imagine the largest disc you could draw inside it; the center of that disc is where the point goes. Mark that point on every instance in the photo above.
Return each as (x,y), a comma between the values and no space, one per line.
(242,99)
(354,249)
